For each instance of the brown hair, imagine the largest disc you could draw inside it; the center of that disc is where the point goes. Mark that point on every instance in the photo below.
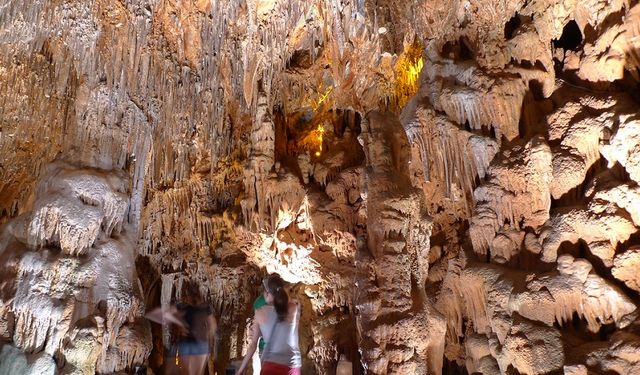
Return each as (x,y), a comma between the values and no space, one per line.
(275,286)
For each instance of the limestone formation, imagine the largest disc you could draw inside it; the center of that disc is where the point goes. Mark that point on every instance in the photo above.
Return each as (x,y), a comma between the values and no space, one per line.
(76,293)
(449,186)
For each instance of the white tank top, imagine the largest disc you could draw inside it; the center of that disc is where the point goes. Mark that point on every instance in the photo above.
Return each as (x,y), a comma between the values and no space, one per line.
(281,338)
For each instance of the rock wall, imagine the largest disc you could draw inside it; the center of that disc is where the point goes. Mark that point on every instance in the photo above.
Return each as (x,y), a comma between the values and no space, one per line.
(449,186)
(70,289)
(544,98)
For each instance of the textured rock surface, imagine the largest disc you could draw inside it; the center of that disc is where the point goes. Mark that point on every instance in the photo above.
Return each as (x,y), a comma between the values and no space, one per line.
(14,361)
(75,293)
(449,186)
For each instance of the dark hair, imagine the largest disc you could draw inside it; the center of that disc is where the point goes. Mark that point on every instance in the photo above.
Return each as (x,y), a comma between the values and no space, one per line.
(275,286)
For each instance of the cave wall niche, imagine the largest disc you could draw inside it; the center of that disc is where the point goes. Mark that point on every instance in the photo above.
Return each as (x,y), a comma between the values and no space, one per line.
(448,187)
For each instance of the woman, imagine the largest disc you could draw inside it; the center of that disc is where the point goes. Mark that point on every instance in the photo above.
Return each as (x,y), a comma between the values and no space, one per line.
(277,323)
(197,328)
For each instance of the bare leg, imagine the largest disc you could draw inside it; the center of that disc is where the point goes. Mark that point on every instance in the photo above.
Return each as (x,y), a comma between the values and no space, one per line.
(169,367)
(195,364)
(255,363)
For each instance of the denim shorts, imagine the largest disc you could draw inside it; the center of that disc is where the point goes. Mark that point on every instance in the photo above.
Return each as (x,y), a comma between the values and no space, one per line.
(189,347)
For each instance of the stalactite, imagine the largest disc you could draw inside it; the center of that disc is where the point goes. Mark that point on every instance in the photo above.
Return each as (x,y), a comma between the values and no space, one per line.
(258,168)
(450,302)
(467,95)
(510,199)
(600,231)
(442,146)
(575,291)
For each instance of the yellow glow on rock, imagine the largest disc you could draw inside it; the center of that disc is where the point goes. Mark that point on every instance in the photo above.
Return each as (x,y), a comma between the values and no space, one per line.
(313,138)
(319,137)
(407,69)
(322,98)
(312,142)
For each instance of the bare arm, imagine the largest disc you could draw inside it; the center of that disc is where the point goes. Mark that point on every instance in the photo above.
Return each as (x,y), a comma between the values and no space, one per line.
(160,315)
(295,309)
(255,336)
(212,327)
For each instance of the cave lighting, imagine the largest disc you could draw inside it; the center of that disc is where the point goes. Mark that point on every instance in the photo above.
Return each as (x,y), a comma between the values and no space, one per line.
(322,98)
(319,134)
(407,69)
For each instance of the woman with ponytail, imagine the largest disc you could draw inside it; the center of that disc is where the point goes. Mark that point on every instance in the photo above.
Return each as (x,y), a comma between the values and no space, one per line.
(277,323)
